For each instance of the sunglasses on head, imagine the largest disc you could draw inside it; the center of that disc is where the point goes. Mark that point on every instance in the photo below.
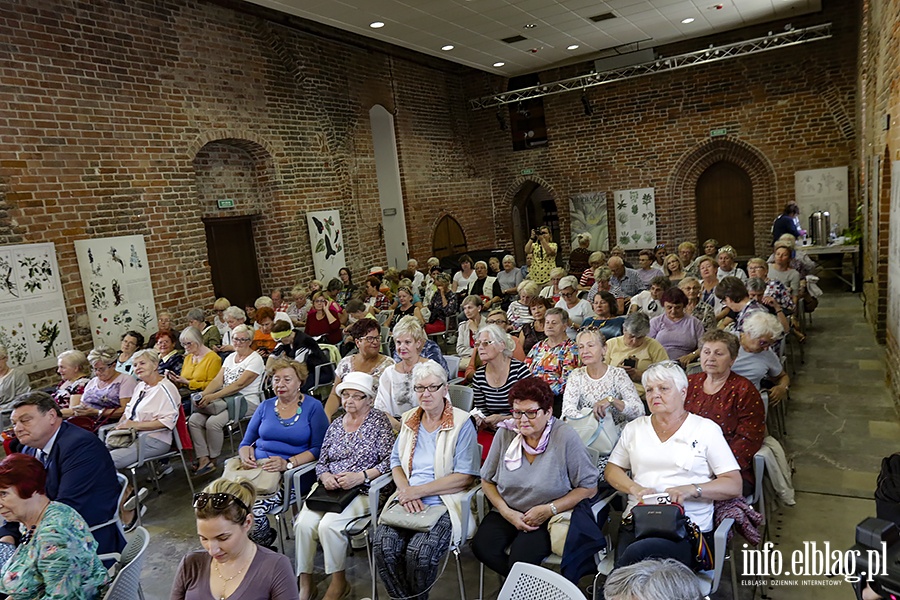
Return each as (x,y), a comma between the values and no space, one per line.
(219,501)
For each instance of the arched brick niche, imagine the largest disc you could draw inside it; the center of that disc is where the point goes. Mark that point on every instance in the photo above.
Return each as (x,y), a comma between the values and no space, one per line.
(683,185)
(511,210)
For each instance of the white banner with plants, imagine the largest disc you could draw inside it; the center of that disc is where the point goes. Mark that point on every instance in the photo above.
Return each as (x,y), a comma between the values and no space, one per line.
(635,218)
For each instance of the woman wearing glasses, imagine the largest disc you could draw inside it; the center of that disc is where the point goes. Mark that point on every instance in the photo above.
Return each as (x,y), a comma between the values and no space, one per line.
(240,374)
(395,393)
(533,446)
(230,564)
(494,378)
(105,395)
(366,334)
(671,452)
(434,460)
(356,450)
(578,309)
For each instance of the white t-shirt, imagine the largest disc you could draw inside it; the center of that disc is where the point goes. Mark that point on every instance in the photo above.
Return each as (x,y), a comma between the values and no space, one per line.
(649,306)
(695,453)
(395,395)
(735,272)
(232,371)
(462,283)
(578,313)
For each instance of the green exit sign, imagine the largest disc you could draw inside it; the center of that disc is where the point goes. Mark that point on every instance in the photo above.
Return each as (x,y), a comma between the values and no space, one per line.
(527,171)
(718,132)
(226,203)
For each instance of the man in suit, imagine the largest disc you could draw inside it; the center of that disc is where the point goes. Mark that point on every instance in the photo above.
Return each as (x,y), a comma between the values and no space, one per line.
(80,471)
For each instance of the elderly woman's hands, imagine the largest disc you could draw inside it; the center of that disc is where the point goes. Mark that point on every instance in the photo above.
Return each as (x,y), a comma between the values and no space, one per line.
(329,481)
(349,479)
(536,515)
(682,493)
(517,519)
(408,497)
(248,457)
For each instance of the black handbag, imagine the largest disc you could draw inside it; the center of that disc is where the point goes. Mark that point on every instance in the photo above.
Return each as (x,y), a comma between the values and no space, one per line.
(325,500)
(666,521)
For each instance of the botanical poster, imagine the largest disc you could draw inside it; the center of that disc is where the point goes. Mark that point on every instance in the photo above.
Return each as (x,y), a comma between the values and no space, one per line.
(826,190)
(635,218)
(117,289)
(588,214)
(34,327)
(326,237)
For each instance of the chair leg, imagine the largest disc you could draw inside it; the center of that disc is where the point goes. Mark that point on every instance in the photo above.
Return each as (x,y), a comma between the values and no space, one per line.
(735,556)
(137,497)
(459,574)
(480,581)
(187,472)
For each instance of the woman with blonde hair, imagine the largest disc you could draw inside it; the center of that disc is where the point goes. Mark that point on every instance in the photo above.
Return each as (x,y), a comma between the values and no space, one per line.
(551,290)
(519,311)
(230,560)
(13,381)
(219,307)
(468,329)
(395,394)
(673,268)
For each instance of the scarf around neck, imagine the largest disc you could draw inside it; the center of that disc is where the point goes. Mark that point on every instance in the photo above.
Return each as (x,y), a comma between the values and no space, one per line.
(512,458)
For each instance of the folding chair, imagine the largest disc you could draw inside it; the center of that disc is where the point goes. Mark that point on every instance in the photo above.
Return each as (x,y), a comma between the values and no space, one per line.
(290,481)
(237,411)
(126,573)
(117,517)
(462,397)
(453,368)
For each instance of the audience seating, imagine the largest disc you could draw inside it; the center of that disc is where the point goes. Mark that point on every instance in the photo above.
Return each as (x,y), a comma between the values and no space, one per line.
(532,582)
(117,516)
(290,481)
(462,397)
(126,573)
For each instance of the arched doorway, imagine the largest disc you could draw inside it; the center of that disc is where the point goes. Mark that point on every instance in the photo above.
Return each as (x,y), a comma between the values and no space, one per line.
(532,207)
(448,238)
(724,201)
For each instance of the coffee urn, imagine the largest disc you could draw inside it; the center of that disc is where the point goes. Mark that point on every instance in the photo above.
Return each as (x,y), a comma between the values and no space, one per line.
(819,227)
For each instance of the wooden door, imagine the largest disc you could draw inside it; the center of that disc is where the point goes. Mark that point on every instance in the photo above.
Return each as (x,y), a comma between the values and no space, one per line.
(448,238)
(232,259)
(724,200)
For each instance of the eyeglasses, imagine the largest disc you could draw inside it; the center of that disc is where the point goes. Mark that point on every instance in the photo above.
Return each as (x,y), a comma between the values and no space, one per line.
(497,322)
(372,339)
(567,294)
(219,501)
(354,397)
(528,414)
(241,340)
(431,388)
(483,343)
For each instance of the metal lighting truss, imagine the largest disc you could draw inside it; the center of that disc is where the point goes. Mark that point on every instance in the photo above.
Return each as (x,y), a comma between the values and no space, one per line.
(670,63)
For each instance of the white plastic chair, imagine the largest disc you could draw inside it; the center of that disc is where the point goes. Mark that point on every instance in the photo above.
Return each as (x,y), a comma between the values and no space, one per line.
(117,517)
(126,573)
(462,397)
(453,368)
(290,480)
(531,582)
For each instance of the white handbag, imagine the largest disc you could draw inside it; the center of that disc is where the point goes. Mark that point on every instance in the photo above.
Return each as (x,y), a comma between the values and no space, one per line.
(602,436)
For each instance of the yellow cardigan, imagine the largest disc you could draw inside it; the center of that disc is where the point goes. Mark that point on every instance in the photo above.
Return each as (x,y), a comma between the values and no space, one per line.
(200,372)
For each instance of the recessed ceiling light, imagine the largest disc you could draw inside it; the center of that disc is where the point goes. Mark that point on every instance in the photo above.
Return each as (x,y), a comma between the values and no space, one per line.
(376,25)
(688,20)
(530,25)
(572,47)
(499,64)
(447,48)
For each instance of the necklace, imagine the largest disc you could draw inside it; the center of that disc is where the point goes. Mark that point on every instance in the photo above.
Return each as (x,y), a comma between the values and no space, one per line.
(29,535)
(225,580)
(289,421)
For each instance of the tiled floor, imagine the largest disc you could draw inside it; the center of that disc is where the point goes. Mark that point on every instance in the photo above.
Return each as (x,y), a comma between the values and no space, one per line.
(840,423)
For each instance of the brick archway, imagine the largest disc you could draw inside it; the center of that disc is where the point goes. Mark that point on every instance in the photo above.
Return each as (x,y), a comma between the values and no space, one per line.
(683,184)
(520,237)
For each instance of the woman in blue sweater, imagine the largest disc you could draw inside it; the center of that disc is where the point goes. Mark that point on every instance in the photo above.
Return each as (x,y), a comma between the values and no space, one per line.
(285,432)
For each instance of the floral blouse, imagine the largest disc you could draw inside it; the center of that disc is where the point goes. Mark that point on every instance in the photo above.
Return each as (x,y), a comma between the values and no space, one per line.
(59,563)
(66,389)
(553,363)
(346,366)
(367,447)
(100,395)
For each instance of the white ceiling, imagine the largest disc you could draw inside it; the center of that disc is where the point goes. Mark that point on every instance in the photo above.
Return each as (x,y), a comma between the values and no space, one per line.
(476,27)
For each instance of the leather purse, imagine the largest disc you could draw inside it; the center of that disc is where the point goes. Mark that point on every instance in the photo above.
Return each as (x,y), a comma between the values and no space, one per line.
(265,482)
(394,515)
(321,499)
(666,521)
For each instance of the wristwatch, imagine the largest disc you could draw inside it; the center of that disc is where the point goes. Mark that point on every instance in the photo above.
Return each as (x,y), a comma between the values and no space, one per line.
(553,509)
(699,490)
(290,465)
(366,479)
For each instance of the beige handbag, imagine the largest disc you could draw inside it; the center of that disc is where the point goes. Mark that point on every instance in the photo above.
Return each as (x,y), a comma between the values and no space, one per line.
(265,482)
(121,438)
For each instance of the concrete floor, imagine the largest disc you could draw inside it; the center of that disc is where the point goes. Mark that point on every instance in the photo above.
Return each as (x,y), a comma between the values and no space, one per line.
(840,423)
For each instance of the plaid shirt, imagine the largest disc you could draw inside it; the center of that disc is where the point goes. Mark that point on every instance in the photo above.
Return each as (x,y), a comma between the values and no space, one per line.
(553,363)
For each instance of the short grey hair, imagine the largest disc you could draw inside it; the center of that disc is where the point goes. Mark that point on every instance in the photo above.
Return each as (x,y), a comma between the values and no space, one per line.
(509,258)
(756,284)
(149,353)
(637,324)
(594,332)
(264,301)
(497,336)
(652,579)
(104,354)
(760,323)
(686,280)
(666,371)
(569,281)
(235,312)
(528,287)
(242,328)
(75,359)
(426,369)
(479,262)
(409,325)
(191,334)
(196,314)
(473,299)
(562,313)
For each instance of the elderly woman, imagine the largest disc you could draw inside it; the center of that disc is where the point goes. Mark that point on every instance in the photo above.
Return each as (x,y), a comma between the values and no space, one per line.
(634,351)
(434,460)
(580,255)
(374,297)
(727,265)
(711,248)
(285,432)
(405,307)
(673,268)
(533,333)
(132,341)
(776,293)
(58,554)
(201,364)
(729,399)
(224,519)
(687,252)
(395,393)
(577,308)
(605,317)
(153,408)
(708,282)
(219,307)
(299,306)
(465,275)
(532,446)
(241,373)
(695,306)
(324,320)
(210,334)
(465,335)
(756,359)
(587,279)
(106,394)
(171,358)
(649,301)
(233,317)
(73,368)
(555,357)
(782,271)
(13,381)
(552,289)
(603,283)
(678,332)
(509,279)
(356,449)
(519,311)
(493,380)
(673,452)
(366,334)
(759,290)
(263,343)
(443,305)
